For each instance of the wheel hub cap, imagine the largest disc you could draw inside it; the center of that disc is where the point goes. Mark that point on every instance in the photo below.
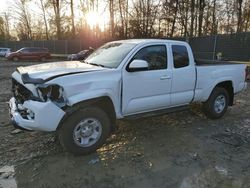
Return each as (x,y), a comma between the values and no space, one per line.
(87,132)
(219,103)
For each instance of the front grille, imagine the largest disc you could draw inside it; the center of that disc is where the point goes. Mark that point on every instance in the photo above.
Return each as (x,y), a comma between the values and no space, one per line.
(20,92)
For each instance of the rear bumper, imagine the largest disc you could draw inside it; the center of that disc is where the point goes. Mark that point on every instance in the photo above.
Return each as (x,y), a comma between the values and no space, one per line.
(47,115)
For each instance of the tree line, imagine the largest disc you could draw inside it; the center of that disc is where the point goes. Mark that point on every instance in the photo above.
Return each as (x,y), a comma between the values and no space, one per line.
(56,19)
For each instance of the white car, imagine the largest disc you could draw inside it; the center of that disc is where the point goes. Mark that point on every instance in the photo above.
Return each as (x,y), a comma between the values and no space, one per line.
(4,52)
(122,79)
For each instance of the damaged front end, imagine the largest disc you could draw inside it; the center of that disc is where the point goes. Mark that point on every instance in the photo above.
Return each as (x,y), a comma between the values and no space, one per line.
(54,93)
(37,111)
(22,94)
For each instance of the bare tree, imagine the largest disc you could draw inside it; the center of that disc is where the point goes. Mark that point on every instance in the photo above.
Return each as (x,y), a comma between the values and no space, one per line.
(111,17)
(214,22)
(143,18)
(44,18)
(229,11)
(239,15)
(201,14)
(24,18)
(170,11)
(57,11)
(192,18)
(72,17)
(176,5)
(127,18)
(246,16)
(184,17)
(122,15)
(6,19)
(2,33)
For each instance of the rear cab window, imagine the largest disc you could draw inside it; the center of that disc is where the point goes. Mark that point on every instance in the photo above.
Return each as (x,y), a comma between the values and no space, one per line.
(180,56)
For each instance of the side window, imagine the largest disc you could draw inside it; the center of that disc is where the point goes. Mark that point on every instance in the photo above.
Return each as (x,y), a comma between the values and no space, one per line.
(32,50)
(180,56)
(24,50)
(156,56)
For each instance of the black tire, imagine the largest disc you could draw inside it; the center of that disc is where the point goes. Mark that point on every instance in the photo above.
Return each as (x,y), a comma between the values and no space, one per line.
(66,130)
(15,59)
(209,107)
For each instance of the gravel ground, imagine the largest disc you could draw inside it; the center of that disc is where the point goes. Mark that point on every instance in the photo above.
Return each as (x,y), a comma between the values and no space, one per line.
(183,149)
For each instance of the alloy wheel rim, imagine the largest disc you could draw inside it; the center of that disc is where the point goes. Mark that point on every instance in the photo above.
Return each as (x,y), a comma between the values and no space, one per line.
(87,132)
(219,104)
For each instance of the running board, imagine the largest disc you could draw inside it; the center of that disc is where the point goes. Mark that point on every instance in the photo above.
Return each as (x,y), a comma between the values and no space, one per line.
(157,112)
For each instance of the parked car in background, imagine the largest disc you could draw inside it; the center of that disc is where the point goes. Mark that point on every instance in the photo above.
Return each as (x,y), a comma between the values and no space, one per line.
(4,52)
(81,55)
(30,53)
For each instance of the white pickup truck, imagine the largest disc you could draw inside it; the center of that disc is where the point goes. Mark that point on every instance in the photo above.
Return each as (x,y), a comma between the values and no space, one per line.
(122,79)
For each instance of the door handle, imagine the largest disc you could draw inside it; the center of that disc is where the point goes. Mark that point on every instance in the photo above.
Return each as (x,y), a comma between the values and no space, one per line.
(165,77)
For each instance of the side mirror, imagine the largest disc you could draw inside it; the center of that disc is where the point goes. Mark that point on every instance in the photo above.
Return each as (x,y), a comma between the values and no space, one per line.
(138,65)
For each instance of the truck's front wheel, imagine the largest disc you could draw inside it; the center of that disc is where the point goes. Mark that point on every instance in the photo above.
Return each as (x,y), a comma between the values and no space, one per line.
(85,131)
(217,104)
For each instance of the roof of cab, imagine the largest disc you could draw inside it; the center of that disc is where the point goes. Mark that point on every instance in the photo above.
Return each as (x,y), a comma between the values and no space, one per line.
(5,48)
(145,41)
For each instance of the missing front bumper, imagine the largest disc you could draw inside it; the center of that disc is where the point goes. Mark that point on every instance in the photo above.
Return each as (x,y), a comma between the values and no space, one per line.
(47,115)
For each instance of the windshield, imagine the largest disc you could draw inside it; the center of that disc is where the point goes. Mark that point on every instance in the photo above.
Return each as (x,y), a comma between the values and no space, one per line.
(82,52)
(110,55)
(20,50)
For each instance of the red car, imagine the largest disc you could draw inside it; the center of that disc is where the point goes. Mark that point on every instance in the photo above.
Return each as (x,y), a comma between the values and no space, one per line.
(30,53)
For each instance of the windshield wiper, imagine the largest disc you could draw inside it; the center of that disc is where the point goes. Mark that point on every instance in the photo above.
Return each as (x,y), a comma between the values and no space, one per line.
(85,61)
(99,65)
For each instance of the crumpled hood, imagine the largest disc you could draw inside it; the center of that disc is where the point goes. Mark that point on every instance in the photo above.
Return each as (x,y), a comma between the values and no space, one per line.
(50,70)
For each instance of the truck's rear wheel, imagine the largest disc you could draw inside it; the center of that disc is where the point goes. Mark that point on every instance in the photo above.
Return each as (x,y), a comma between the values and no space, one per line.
(217,104)
(85,131)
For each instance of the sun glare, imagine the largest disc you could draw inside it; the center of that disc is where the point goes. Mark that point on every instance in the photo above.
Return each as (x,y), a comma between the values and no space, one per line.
(94,19)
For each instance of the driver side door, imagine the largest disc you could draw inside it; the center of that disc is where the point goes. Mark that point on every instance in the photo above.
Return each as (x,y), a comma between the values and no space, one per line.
(147,90)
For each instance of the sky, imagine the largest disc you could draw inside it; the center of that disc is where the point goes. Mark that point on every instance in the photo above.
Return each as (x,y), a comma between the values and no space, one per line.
(93,18)
(4,5)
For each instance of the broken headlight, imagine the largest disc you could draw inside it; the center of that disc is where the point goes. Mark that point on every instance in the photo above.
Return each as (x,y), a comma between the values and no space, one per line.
(53,93)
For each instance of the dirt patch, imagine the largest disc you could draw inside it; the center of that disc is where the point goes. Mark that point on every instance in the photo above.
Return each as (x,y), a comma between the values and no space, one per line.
(183,149)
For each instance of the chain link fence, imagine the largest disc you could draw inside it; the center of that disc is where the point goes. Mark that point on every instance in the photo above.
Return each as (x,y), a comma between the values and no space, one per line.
(54,46)
(235,47)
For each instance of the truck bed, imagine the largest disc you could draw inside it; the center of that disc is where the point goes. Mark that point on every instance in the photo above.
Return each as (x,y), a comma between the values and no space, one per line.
(204,62)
